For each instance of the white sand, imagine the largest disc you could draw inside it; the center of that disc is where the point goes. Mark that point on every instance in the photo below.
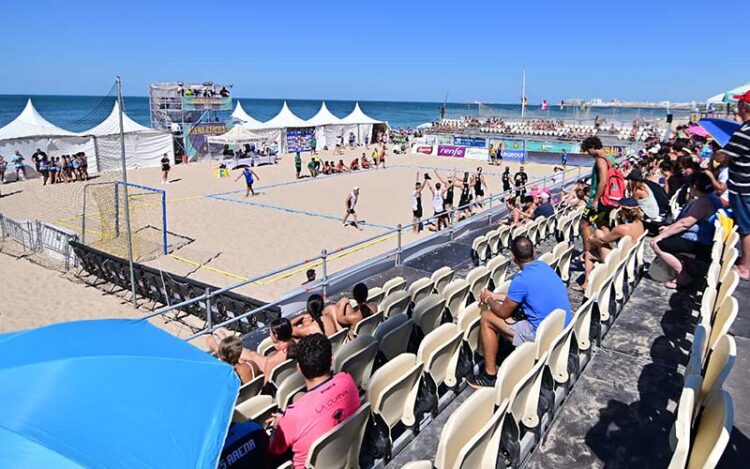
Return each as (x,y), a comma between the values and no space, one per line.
(235,239)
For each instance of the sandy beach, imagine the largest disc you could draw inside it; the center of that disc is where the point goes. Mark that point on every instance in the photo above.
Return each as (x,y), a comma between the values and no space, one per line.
(236,237)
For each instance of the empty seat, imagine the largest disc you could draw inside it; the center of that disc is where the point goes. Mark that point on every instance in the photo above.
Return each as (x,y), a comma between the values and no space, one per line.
(533,231)
(726,289)
(723,320)
(367,325)
(558,364)
(290,387)
(265,347)
(393,285)
(719,364)
(455,294)
(600,288)
(393,392)
(441,278)
(711,434)
(439,354)
(428,312)
(549,329)
(582,331)
(357,358)
(494,243)
(478,279)
(679,437)
(548,258)
(563,253)
(281,371)
(395,303)
(505,232)
(420,288)
(339,447)
(393,336)
(513,368)
(375,295)
(498,267)
(250,389)
(258,408)
(479,248)
(698,350)
(466,437)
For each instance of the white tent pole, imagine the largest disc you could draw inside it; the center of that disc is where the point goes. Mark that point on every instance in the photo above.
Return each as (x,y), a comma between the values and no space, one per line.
(125,191)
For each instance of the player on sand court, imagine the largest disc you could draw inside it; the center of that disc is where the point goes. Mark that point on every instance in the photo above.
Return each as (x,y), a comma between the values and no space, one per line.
(249,175)
(351,204)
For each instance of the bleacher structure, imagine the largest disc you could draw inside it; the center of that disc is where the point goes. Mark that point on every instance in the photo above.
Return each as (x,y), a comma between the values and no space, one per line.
(411,358)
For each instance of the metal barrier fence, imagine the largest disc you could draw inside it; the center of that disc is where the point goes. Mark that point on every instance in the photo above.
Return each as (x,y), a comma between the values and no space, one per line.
(37,236)
(394,257)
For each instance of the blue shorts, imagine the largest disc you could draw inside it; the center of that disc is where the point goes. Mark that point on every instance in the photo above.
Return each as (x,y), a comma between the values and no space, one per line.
(741,212)
(523,331)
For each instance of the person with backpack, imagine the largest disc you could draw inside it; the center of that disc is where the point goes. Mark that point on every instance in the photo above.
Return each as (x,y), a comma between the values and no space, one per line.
(607,189)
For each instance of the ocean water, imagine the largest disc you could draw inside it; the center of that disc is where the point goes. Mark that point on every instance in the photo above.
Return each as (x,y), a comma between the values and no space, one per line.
(78,113)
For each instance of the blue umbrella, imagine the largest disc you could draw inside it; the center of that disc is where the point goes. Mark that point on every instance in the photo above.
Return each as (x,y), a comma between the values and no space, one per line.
(720,129)
(111,393)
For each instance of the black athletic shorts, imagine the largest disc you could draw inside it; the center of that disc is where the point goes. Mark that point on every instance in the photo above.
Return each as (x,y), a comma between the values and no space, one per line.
(350,211)
(417,213)
(676,244)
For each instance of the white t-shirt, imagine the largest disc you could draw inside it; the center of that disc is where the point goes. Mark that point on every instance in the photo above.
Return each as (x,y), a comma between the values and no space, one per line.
(437,202)
(414,197)
(724,177)
(353,200)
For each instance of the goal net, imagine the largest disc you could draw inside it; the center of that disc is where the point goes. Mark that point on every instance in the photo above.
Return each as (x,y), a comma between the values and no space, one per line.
(104,224)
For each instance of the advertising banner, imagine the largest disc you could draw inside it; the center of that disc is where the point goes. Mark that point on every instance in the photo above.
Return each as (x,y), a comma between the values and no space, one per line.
(299,139)
(469,141)
(217,103)
(196,137)
(477,153)
(444,140)
(513,149)
(552,147)
(614,150)
(451,151)
(424,149)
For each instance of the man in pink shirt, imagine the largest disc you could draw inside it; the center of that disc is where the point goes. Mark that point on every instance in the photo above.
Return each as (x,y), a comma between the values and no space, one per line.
(329,401)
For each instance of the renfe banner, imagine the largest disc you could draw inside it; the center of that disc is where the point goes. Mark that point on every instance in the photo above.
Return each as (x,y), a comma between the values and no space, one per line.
(469,141)
(451,150)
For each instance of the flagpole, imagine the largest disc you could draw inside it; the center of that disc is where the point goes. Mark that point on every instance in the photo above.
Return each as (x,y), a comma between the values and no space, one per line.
(523,95)
(125,191)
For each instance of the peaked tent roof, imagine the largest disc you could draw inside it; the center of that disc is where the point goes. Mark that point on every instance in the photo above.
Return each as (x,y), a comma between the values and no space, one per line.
(359,117)
(111,125)
(248,121)
(29,123)
(285,118)
(323,117)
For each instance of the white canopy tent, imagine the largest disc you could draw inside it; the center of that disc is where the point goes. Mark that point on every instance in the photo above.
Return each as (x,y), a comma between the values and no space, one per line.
(247,120)
(144,147)
(361,124)
(255,130)
(237,135)
(29,131)
(327,126)
(279,124)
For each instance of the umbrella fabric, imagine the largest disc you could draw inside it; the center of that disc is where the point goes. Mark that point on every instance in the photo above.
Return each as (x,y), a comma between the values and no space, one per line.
(111,393)
(698,130)
(720,129)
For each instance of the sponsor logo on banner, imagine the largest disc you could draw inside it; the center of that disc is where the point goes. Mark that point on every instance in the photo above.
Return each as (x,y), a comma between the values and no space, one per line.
(551,147)
(451,150)
(477,153)
(513,149)
(469,141)
(425,149)
(613,150)
(444,140)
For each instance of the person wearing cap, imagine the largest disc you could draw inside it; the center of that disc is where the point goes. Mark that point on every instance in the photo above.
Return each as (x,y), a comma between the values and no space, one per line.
(692,232)
(351,203)
(736,154)
(544,208)
(642,193)
(629,223)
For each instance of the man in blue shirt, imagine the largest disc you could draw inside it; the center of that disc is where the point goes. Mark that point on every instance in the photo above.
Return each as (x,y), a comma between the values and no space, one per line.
(536,289)
(544,208)
(246,447)
(250,178)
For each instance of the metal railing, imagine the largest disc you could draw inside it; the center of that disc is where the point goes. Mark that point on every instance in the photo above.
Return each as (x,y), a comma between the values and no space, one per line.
(323,259)
(37,236)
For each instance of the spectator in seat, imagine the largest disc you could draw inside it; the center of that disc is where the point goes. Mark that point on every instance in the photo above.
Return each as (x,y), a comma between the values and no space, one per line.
(544,208)
(344,315)
(692,231)
(329,400)
(312,321)
(536,290)
(230,351)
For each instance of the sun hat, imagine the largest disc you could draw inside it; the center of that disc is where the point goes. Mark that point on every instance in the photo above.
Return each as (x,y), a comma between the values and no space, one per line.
(743,97)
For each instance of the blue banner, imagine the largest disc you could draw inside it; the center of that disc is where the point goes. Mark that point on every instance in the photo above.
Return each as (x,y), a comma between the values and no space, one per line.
(299,140)
(513,149)
(469,141)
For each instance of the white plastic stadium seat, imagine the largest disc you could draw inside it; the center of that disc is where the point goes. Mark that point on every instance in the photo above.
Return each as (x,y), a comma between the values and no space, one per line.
(393,285)
(393,335)
(549,329)
(339,448)
(478,279)
(455,294)
(428,312)
(395,303)
(250,389)
(420,288)
(290,387)
(375,295)
(441,278)
(257,408)
(439,353)
(367,325)
(498,267)
(357,358)
(479,248)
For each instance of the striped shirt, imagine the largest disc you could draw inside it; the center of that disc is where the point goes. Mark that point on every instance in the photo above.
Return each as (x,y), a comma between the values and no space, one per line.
(739,169)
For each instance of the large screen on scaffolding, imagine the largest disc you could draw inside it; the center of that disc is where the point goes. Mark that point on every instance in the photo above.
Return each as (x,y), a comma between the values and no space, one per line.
(299,139)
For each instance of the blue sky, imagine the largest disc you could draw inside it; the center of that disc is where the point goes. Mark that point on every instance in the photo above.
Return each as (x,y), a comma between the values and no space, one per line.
(384,50)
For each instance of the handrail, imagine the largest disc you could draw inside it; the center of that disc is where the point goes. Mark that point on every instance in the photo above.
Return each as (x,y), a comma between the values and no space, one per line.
(210,327)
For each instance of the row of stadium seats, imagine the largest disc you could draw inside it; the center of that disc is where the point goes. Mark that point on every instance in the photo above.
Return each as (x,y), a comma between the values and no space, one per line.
(423,339)
(704,417)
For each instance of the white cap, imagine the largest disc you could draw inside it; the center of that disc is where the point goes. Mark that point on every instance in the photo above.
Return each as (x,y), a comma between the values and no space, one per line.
(544,195)
(356,188)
